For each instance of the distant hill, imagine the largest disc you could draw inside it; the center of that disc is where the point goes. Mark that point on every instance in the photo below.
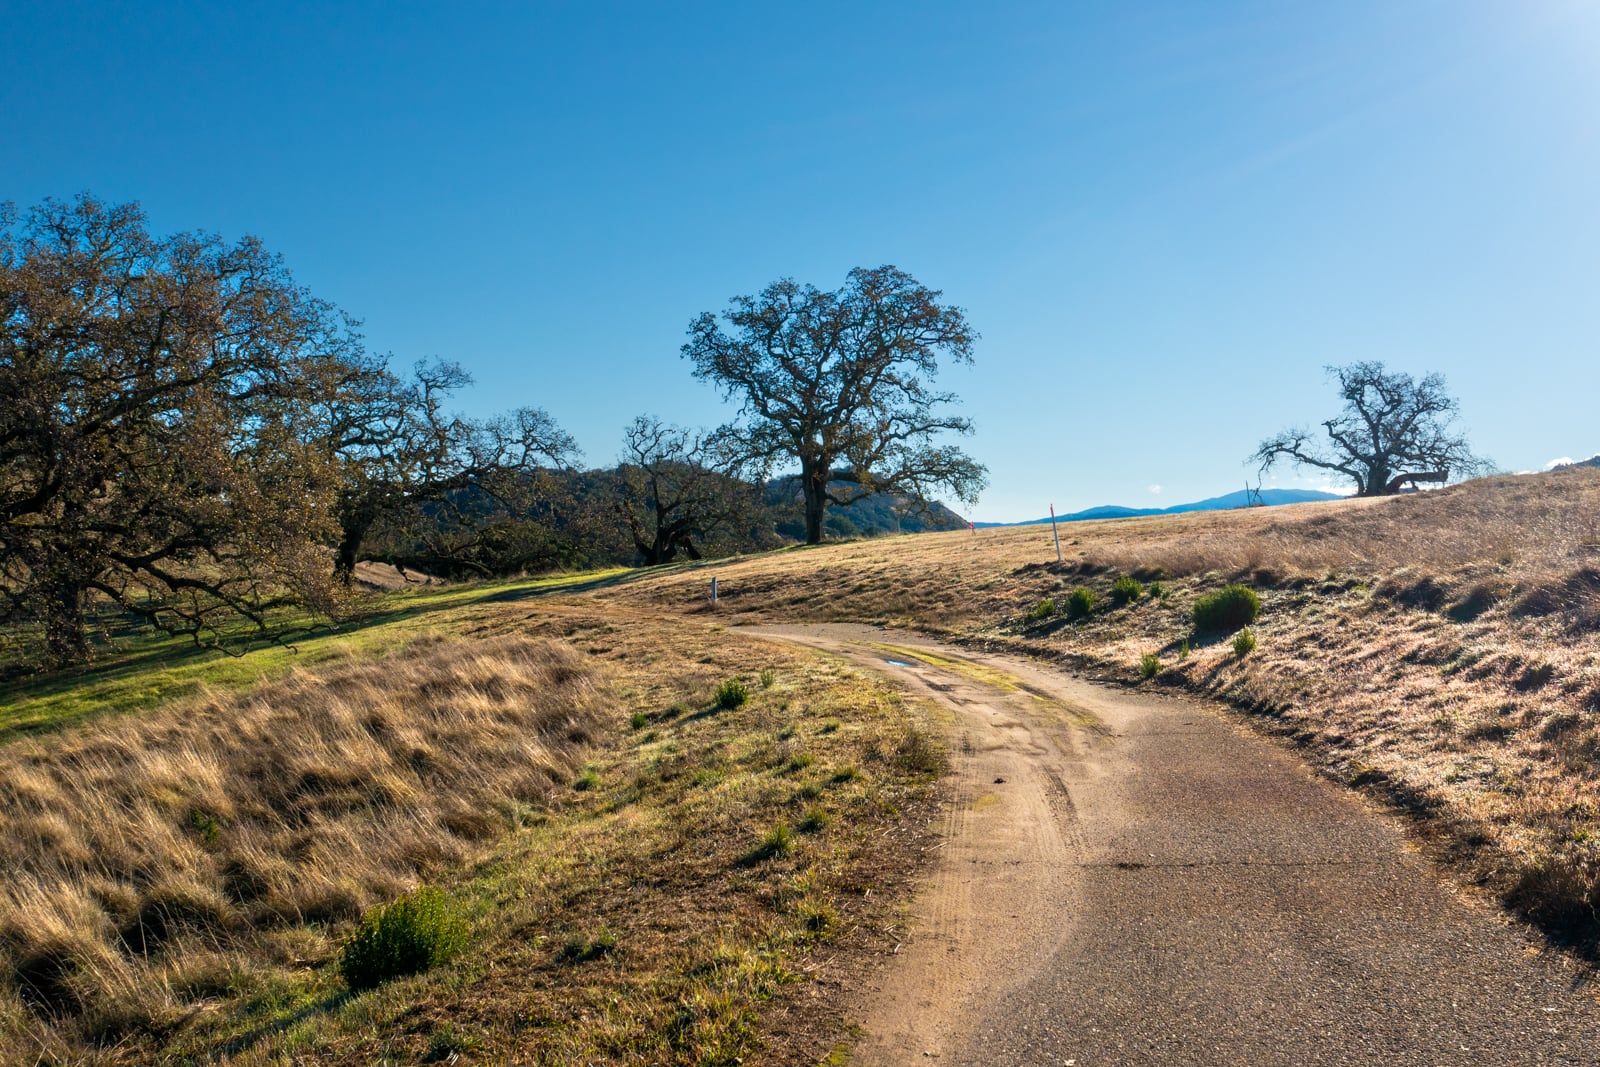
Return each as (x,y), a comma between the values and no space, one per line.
(1592,461)
(871,516)
(1269,497)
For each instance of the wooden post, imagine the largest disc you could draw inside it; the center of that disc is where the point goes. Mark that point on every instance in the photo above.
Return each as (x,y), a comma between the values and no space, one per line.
(1054,532)
(713,590)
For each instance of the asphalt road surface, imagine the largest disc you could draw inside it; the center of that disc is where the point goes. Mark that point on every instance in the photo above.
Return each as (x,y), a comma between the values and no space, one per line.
(1132,878)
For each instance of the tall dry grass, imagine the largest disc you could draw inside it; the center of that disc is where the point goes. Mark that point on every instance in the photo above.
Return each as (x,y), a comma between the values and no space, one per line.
(1517,537)
(151,862)
(1441,649)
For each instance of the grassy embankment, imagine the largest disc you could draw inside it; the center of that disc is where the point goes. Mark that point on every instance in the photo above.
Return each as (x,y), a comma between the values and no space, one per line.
(1441,650)
(646,876)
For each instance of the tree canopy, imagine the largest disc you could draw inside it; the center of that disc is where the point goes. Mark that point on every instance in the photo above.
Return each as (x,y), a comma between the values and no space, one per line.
(840,382)
(1393,431)
(150,450)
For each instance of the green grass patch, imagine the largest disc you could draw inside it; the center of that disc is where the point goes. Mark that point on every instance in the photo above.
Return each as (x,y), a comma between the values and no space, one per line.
(1227,609)
(150,669)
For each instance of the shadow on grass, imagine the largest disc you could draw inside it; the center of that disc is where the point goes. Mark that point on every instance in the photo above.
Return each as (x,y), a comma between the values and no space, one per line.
(283,1024)
(131,679)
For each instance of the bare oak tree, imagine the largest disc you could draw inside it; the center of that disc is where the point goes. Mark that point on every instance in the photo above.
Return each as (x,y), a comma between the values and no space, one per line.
(1393,431)
(396,448)
(679,488)
(839,382)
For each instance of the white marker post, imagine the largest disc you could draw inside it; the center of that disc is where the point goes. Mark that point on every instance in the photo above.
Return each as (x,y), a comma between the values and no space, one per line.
(713,590)
(1054,533)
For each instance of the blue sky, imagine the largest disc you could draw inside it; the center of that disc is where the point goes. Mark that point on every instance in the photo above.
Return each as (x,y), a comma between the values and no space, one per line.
(1164,219)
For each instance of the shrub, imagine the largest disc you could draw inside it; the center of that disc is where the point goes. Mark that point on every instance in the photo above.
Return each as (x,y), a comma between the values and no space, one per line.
(640,720)
(1244,642)
(1157,590)
(1183,650)
(817,915)
(409,936)
(580,949)
(1043,610)
(817,819)
(731,693)
(777,841)
(1126,589)
(1227,609)
(587,780)
(768,677)
(918,752)
(1081,602)
(1149,665)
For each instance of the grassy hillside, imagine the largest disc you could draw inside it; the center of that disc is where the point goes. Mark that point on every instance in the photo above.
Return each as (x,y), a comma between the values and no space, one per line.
(1441,650)
(647,875)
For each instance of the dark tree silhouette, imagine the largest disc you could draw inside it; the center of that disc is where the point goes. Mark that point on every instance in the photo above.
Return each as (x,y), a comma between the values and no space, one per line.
(1393,431)
(839,382)
(396,449)
(678,488)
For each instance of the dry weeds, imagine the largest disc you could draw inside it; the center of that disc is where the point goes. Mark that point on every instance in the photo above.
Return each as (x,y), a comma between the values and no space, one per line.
(154,863)
(183,879)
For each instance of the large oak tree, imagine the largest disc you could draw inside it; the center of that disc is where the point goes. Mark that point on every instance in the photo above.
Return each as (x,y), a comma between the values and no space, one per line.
(841,383)
(1394,430)
(151,447)
(397,449)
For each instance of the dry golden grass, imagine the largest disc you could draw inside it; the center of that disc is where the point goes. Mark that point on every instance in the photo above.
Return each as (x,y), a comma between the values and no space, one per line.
(152,862)
(655,920)
(181,881)
(1440,649)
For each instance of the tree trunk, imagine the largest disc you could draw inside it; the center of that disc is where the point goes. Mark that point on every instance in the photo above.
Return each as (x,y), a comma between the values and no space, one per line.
(350,540)
(814,483)
(66,636)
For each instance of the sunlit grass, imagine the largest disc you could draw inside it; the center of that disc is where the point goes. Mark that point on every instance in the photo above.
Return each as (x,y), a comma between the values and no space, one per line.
(150,669)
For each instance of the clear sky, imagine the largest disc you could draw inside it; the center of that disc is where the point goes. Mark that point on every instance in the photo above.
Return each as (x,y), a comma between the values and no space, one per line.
(1164,219)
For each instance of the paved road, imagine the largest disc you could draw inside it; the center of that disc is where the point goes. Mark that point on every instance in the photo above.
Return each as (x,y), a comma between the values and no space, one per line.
(1130,878)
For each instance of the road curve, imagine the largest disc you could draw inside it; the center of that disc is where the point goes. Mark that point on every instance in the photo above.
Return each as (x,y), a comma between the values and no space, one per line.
(1130,878)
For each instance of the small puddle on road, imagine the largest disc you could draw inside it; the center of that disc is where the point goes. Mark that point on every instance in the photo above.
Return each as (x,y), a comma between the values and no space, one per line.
(897,663)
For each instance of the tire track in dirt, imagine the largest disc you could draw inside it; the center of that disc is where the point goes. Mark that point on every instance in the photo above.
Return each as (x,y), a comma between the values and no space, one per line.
(1133,879)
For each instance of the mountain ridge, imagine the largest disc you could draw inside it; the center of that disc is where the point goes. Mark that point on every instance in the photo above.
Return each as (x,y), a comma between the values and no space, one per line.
(1237,499)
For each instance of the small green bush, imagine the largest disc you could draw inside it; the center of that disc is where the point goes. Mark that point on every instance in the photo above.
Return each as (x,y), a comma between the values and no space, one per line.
(1081,602)
(1157,590)
(1149,665)
(731,694)
(640,720)
(580,949)
(1183,650)
(587,780)
(1126,589)
(777,841)
(1227,609)
(817,819)
(817,915)
(409,936)
(1043,610)
(919,752)
(768,677)
(1244,642)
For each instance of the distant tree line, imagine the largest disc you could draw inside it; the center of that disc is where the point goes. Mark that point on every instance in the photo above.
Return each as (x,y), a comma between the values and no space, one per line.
(192,440)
